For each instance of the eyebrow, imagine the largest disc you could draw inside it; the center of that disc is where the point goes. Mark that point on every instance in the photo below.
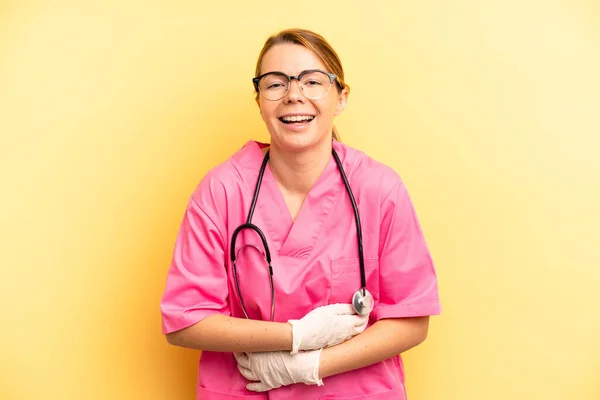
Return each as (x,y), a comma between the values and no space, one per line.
(294,76)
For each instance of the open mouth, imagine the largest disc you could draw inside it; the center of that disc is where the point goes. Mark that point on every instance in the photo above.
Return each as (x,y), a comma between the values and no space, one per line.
(297,119)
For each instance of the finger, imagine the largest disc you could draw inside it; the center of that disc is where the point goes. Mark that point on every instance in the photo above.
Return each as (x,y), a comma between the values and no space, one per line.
(242,359)
(361,321)
(353,320)
(248,374)
(355,323)
(257,387)
(340,309)
(362,325)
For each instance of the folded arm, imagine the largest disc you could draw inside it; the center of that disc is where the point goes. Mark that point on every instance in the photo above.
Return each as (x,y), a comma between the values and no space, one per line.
(223,333)
(323,326)
(384,339)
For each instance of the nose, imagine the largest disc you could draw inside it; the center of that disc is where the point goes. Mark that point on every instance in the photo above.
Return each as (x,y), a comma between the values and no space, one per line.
(294,93)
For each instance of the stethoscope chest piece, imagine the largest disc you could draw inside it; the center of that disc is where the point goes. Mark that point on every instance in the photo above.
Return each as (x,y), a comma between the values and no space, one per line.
(362,301)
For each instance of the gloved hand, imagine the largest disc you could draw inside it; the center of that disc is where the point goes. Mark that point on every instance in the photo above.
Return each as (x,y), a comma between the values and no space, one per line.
(326,326)
(272,369)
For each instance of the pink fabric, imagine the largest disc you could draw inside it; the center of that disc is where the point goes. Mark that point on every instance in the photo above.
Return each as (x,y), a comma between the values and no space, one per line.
(315,262)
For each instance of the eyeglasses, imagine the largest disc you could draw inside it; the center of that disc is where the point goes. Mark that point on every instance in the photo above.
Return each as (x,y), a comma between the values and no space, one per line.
(314,84)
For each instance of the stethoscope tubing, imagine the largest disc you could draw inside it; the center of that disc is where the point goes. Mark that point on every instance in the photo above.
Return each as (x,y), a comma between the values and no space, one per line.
(361,258)
(249,225)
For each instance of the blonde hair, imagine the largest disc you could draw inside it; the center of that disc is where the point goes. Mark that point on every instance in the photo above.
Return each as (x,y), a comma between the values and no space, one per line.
(315,43)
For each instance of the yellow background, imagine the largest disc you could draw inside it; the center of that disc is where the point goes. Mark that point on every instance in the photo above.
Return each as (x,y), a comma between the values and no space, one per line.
(111,112)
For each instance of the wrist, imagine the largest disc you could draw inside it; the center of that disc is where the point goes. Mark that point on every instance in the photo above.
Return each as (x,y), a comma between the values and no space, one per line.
(295,336)
(318,379)
(325,367)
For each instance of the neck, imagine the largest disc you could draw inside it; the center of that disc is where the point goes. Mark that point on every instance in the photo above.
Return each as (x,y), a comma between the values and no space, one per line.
(297,172)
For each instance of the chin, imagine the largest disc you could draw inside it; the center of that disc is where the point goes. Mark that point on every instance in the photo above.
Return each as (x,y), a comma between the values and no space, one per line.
(297,145)
(298,142)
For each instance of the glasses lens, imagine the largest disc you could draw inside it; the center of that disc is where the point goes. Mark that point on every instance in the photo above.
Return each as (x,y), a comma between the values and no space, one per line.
(273,86)
(315,85)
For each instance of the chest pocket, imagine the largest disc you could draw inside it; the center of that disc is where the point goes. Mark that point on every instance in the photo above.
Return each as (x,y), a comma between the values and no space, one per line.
(345,279)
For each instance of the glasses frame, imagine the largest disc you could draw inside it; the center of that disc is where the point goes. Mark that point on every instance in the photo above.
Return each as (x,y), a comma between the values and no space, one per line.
(332,78)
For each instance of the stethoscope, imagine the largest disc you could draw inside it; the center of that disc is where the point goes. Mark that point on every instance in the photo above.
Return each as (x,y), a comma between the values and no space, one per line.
(362,300)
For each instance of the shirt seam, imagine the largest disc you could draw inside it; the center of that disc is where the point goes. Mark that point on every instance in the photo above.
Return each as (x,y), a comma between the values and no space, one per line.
(407,305)
(210,219)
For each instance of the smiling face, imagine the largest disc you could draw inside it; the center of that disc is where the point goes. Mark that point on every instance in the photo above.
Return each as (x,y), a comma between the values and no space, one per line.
(296,122)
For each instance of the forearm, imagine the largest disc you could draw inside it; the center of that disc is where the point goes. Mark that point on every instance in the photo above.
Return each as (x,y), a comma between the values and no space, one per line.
(384,339)
(228,334)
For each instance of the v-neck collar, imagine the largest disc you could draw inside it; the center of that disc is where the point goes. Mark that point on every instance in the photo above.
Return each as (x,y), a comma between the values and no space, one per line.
(296,238)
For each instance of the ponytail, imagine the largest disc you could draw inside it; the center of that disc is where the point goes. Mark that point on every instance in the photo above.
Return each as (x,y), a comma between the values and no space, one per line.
(336,135)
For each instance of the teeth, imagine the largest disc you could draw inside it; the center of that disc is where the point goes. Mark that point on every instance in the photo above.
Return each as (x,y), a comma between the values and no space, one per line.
(297,118)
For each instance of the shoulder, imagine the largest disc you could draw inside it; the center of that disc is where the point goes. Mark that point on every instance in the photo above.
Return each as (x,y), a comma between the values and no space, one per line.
(367,174)
(216,187)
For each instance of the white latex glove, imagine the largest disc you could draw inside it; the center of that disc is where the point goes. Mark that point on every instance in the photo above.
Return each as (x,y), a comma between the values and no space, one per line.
(272,369)
(326,326)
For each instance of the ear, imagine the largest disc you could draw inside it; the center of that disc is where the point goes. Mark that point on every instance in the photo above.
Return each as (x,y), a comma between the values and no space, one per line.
(341,102)
(257,99)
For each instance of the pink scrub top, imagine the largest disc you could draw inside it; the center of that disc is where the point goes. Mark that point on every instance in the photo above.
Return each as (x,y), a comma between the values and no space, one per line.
(315,262)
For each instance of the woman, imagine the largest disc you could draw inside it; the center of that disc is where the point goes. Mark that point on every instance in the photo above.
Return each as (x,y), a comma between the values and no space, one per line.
(309,337)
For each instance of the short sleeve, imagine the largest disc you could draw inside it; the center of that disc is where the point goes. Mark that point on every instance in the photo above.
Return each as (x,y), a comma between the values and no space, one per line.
(197,280)
(407,277)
